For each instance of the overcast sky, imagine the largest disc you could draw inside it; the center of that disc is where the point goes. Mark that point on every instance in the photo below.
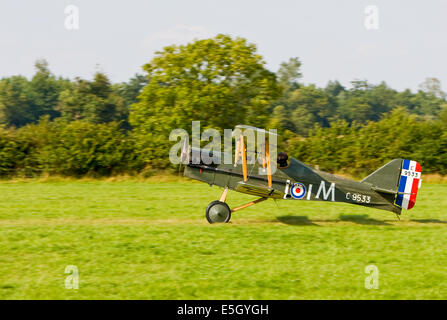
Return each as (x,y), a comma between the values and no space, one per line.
(329,37)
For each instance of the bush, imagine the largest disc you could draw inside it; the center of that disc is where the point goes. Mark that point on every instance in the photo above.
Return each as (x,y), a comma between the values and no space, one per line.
(75,148)
(360,150)
(81,148)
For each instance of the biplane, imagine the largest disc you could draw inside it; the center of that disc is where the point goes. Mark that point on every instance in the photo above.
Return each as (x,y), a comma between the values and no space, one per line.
(392,187)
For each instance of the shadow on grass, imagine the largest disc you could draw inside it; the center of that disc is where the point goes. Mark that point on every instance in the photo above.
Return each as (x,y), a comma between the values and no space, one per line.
(362,219)
(359,219)
(305,221)
(296,220)
(428,221)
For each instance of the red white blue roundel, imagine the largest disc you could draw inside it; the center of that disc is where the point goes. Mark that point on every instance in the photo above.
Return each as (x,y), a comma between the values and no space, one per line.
(298,190)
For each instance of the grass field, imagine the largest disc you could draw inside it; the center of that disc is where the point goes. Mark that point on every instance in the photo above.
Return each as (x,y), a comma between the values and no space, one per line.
(136,240)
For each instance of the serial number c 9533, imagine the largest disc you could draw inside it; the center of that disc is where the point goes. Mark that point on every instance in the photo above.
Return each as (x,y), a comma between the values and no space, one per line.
(409,173)
(357,197)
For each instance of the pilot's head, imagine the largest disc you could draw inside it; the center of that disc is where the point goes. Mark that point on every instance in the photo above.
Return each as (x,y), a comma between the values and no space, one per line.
(282,159)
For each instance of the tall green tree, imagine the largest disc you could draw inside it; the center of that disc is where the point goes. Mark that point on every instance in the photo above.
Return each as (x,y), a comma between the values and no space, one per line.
(15,102)
(45,90)
(334,88)
(433,87)
(130,90)
(311,106)
(220,81)
(364,102)
(289,73)
(94,101)
(23,101)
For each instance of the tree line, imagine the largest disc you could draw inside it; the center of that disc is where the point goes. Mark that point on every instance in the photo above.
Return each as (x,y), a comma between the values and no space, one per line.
(76,127)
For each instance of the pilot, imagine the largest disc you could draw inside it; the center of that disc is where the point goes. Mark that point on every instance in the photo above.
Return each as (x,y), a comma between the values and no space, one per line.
(282,160)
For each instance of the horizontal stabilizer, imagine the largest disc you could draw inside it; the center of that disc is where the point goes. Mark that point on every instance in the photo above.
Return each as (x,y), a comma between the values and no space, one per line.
(390,191)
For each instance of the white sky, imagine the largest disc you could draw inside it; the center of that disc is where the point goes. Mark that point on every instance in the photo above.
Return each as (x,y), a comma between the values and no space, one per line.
(329,37)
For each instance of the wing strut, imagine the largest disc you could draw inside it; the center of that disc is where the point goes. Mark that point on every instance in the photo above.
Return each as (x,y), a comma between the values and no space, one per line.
(266,162)
(269,167)
(244,158)
(248,204)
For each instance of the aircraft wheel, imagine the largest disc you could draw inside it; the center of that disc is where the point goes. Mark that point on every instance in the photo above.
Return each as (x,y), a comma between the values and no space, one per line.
(218,212)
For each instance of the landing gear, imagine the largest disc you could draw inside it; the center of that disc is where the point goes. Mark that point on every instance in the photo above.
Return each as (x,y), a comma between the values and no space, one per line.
(218,211)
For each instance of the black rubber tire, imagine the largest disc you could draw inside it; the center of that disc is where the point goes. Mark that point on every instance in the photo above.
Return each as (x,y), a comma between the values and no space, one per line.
(213,216)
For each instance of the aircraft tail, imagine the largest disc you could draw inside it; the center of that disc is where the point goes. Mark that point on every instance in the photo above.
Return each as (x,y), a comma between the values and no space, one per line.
(400,177)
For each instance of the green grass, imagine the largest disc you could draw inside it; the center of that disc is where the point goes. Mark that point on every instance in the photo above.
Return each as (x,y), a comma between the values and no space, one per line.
(135,240)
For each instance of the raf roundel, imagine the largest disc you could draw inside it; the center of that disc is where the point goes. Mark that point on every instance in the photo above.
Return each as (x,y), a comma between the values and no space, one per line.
(298,191)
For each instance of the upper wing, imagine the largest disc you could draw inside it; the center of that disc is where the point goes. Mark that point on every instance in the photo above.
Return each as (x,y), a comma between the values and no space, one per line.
(245,127)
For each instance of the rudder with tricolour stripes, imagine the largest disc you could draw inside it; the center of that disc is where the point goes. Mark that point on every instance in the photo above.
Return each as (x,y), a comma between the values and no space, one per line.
(409,184)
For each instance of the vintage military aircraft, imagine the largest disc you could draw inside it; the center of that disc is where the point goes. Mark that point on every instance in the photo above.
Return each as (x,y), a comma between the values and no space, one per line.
(392,187)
